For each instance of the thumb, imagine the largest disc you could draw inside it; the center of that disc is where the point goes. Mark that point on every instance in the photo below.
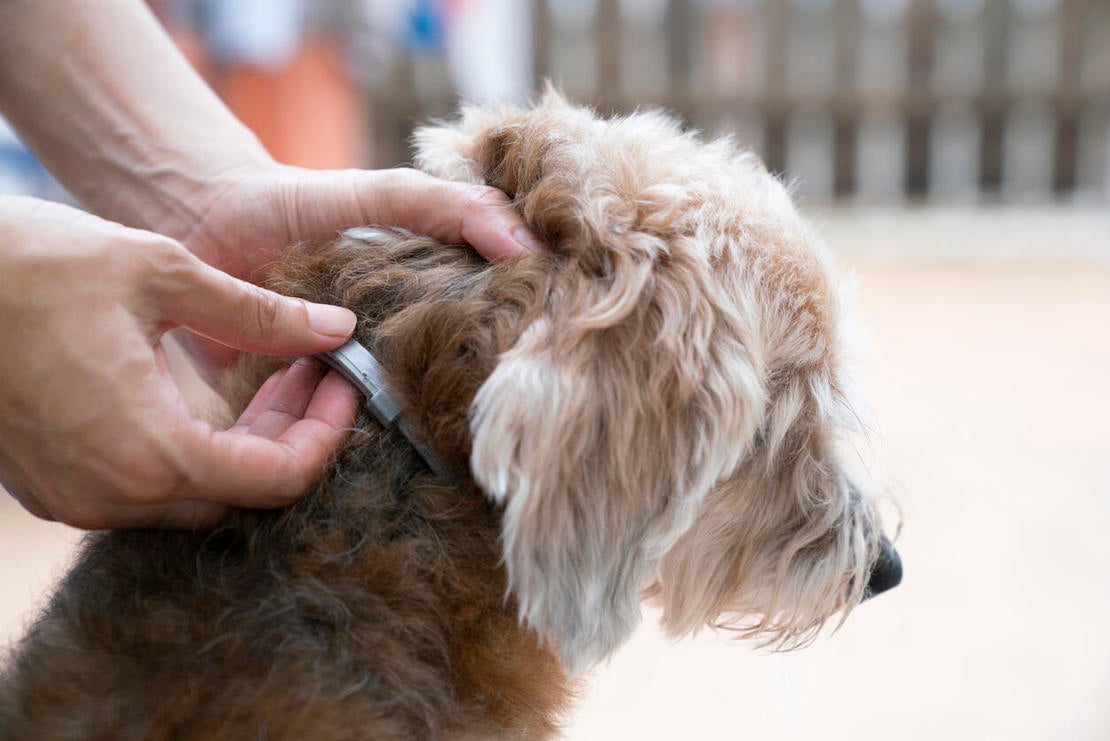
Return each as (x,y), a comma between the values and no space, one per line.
(243,316)
(452,212)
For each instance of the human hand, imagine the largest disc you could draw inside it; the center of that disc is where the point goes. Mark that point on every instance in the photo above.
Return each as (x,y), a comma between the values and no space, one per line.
(93,431)
(168,157)
(242,221)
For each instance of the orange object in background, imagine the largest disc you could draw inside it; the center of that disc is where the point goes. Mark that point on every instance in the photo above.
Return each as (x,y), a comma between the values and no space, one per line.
(307,112)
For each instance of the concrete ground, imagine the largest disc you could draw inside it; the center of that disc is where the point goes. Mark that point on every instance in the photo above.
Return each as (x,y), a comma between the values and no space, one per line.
(989,377)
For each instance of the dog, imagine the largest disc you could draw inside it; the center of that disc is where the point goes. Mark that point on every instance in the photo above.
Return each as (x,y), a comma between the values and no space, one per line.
(650,408)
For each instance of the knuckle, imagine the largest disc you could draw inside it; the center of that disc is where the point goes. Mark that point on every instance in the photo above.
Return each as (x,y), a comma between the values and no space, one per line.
(154,249)
(484,197)
(400,181)
(173,262)
(157,477)
(169,485)
(412,184)
(262,313)
(79,505)
(34,504)
(84,517)
(409,174)
(162,265)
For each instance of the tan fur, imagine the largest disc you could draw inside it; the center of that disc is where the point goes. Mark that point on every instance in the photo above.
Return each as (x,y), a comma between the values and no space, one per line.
(652,405)
(671,416)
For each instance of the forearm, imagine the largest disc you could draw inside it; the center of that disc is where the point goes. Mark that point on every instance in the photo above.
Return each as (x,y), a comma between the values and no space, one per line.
(101,95)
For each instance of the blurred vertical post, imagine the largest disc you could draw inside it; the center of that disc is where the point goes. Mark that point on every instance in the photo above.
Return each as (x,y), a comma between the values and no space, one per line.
(393,108)
(679,21)
(541,42)
(919,96)
(993,101)
(608,54)
(774,91)
(846,109)
(1070,31)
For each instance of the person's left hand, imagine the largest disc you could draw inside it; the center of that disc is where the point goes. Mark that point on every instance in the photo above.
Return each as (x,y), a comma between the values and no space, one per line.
(244,221)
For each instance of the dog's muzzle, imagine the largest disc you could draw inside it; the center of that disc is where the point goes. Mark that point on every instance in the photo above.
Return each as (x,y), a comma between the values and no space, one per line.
(887,572)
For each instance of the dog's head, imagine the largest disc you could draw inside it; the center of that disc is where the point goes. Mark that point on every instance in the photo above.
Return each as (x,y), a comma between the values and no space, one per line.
(656,400)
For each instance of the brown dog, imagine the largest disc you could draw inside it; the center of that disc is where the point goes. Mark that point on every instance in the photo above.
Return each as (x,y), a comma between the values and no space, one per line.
(652,405)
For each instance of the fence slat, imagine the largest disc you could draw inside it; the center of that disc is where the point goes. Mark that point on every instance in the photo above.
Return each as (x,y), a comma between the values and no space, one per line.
(541,42)
(994,103)
(608,52)
(680,25)
(846,111)
(919,101)
(994,100)
(392,114)
(775,110)
(1070,34)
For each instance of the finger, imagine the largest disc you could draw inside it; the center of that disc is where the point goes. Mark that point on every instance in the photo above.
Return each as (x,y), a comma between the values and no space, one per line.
(103,513)
(259,402)
(17,485)
(334,402)
(449,211)
(251,471)
(287,403)
(486,218)
(28,502)
(241,315)
(208,357)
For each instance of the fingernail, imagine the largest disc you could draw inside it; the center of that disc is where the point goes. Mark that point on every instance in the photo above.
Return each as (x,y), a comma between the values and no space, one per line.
(526,239)
(334,321)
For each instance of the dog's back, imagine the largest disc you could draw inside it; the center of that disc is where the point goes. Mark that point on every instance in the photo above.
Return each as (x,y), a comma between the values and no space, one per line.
(375,608)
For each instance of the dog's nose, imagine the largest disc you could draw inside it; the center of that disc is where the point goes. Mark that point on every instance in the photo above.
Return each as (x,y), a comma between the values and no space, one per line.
(887,572)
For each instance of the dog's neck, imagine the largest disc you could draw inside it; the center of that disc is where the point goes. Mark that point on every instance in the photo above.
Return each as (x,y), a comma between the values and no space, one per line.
(355,363)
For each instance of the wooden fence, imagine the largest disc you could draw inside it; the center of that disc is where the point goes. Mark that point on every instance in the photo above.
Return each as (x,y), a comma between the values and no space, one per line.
(881,99)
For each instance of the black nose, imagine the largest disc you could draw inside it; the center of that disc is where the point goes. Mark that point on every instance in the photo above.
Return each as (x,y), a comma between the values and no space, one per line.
(887,572)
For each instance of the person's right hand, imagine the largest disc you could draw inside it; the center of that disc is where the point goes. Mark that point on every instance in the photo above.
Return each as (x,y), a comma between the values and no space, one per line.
(93,431)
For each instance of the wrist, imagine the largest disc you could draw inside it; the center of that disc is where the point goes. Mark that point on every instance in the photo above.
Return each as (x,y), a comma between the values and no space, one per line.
(127,127)
(176,197)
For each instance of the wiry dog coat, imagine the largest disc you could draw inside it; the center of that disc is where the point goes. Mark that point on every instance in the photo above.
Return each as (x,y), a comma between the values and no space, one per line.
(649,406)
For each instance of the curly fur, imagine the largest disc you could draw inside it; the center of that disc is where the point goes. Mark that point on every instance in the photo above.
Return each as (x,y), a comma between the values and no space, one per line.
(670,419)
(652,404)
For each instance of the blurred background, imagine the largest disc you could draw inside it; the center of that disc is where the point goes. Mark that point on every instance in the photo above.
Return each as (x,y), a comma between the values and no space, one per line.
(879,101)
(956,154)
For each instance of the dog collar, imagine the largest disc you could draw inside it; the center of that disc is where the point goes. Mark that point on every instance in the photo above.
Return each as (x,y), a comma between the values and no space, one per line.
(355,363)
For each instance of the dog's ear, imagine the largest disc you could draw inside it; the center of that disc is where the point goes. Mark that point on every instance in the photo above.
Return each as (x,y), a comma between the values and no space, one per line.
(601,430)
(500,146)
(784,543)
